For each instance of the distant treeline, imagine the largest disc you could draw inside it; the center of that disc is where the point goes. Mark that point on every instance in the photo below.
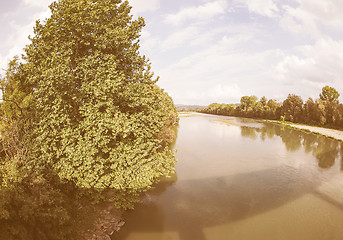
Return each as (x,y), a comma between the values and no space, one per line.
(188,108)
(324,111)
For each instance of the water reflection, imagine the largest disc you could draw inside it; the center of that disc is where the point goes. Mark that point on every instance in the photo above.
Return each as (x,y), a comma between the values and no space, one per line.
(249,132)
(325,150)
(223,181)
(191,206)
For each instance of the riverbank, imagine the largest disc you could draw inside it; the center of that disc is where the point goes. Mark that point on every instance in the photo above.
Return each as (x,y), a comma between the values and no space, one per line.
(331,133)
(328,132)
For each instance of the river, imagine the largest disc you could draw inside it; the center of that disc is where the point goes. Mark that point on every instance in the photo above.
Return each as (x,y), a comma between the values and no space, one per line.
(244,179)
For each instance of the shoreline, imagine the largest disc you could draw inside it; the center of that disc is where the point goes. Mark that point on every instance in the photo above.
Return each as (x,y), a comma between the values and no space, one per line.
(327,132)
(331,133)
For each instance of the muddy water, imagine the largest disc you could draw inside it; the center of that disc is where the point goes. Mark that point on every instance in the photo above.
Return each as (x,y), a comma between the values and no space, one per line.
(244,179)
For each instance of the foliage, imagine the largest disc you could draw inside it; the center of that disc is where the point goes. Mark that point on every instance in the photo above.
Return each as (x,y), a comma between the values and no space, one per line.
(292,108)
(37,211)
(325,111)
(329,97)
(101,116)
(247,105)
(15,125)
(82,119)
(271,108)
(219,109)
(314,112)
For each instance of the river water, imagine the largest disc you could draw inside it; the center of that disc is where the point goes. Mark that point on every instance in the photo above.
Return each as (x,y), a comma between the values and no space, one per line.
(244,179)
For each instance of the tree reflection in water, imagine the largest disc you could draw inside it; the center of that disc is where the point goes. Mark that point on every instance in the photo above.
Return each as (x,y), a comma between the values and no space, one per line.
(249,132)
(325,150)
(188,208)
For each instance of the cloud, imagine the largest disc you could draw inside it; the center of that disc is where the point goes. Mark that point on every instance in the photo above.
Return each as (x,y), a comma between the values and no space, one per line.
(328,12)
(300,16)
(179,38)
(314,67)
(217,93)
(139,6)
(18,39)
(197,35)
(148,42)
(309,16)
(9,7)
(224,93)
(202,12)
(221,73)
(262,7)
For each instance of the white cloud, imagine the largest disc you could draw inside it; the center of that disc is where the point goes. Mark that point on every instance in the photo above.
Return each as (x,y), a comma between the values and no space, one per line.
(300,16)
(203,35)
(19,37)
(145,34)
(315,66)
(139,6)
(328,12)
(221,73)
(212,59)
(148,42)
(219,93)
(206,11)
(224,93)
(309,15)
(263,7)
(179,38)
(298,20)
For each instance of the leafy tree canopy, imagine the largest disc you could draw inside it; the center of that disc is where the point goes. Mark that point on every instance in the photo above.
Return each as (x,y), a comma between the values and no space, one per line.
(94,113)
(329,95)
(247,102)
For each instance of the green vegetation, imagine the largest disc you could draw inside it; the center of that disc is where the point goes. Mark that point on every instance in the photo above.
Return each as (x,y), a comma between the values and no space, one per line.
(82,118)
(325,111)
(188,108)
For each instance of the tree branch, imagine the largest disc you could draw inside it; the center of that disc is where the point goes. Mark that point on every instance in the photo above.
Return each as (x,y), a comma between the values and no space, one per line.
(8,100)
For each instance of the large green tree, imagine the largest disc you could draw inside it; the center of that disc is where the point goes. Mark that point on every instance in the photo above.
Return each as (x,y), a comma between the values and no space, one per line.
(292,108)
(246,108)
(97,117)
(329,96)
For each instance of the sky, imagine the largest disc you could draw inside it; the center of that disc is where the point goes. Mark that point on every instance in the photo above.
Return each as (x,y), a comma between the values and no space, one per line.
(209,51)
